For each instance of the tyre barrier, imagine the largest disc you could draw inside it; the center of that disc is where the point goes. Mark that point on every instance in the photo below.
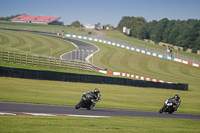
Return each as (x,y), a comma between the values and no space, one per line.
(71,77)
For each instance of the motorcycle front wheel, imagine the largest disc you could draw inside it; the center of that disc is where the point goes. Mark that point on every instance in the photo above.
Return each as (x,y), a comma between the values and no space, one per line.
(89,108)
(161,110)
(171,111)
(77,106)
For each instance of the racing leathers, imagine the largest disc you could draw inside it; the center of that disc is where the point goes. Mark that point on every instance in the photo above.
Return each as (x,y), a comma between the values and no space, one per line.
(95,97)
(177,102)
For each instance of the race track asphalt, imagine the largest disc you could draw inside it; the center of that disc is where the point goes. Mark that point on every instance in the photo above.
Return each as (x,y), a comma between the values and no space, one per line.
(83,52)
(66,110)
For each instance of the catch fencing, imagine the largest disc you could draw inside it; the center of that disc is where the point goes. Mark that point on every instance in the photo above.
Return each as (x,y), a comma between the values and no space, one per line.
(40,61)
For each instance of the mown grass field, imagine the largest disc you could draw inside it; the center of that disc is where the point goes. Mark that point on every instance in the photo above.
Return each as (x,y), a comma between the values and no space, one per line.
(117,36)
(28,43)
(26,124)
(113,96)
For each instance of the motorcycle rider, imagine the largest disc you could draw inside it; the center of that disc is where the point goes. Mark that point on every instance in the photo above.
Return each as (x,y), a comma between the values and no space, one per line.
(171,104)
(177,101)
(94,94)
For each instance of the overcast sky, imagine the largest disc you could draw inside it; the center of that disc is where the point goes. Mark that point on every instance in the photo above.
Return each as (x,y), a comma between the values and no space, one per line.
(103,11)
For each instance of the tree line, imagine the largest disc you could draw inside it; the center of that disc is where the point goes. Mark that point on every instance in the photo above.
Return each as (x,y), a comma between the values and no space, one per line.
(184,33)
(9,17)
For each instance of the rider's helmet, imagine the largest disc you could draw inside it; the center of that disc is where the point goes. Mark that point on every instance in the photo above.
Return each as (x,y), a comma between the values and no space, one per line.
(176,97)
(96,91)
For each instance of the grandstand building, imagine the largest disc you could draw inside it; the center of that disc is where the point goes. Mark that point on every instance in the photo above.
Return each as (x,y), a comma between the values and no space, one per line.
(34,19)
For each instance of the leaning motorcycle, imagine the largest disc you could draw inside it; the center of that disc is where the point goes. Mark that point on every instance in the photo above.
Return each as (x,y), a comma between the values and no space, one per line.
(169,106)
(88,102)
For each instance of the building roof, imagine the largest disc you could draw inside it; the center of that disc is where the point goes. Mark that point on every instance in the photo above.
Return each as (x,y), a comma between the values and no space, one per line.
(35,18)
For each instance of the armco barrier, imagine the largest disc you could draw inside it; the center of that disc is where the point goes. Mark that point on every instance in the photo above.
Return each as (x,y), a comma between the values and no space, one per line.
(70,77)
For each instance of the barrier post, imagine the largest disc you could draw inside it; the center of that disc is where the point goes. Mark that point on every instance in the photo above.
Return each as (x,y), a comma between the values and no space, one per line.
(44,62)
(1,55)
(26,59)
(8,57)
(20,58)
(38,61)
(14,58)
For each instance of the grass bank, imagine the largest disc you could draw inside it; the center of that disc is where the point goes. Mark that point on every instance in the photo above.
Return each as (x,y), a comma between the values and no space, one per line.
(44,124)
(117,36)
(33,44)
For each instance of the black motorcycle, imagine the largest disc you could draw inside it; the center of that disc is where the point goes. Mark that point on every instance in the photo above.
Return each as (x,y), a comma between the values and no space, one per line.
(169,106)
(88,102)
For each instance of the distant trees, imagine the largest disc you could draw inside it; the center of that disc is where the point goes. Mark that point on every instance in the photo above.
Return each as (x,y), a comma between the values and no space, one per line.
(76,24)
(9,17)
(108,25)
(176,32)
(56,23)
(137,25)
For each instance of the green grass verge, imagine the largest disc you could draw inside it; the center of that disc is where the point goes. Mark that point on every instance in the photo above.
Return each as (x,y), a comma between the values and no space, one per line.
(33,44)
(44,124)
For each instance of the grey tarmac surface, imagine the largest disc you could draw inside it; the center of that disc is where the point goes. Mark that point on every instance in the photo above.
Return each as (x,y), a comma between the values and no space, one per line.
(83,52)
(56,109)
